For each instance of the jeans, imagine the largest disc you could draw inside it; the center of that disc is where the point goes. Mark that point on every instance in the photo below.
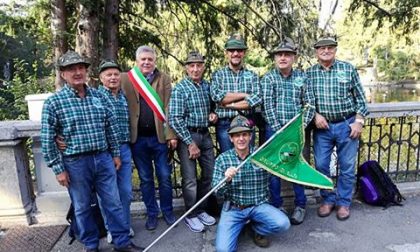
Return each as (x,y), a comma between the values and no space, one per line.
(124,183)
(193,189)
(222,135)
(324,142)
(96,171)
(265,220)
(146,152)
(275,185)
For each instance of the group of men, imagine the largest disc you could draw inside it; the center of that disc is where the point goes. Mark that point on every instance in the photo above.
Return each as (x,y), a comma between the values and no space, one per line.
(89,137)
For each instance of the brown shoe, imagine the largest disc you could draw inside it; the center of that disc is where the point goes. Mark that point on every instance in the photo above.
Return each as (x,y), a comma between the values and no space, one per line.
(325,209)
(343,213)
(261,240)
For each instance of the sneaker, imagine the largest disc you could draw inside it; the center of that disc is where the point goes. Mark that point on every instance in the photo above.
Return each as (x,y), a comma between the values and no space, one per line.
(109,237)
(131,234)
(151,222)
(169,218)
(194,224)
(261,240)
(298,216)
(206,219)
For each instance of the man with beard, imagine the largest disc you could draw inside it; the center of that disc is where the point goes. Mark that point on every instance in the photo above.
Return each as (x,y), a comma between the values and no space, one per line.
(234,89)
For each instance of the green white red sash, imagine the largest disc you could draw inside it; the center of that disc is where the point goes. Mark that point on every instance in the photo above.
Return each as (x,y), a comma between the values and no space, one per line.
(147,92)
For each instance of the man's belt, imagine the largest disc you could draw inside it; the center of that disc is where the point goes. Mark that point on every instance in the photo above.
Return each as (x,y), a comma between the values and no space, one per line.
(87,153)
(201,130)
(342,119)
(240,207)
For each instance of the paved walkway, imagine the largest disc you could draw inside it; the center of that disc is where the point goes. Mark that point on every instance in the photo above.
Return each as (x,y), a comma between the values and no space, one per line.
(369,229)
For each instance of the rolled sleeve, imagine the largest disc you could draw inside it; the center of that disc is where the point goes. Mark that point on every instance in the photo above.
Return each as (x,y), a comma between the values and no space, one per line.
(359,95)
(216,92)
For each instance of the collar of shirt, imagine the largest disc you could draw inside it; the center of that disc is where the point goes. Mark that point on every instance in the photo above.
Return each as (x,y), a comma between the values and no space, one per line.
(71,91)
(251,150)
(151,76)
(327,69)
(195,83)
(282,76)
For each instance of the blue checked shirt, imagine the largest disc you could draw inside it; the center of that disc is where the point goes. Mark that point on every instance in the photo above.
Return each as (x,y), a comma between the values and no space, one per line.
(87,124)
(248,187)
(120,108)
(338,91)
(227,81)
(284,97)
(189,106)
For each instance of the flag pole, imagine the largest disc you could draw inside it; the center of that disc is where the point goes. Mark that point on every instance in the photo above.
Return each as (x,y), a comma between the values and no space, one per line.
(217,186)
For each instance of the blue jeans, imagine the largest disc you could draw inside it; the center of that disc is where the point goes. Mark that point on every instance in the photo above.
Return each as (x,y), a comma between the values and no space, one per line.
(324,142)
(222,135)
(194,187)
(124,183)
(96,171)
(265,220)
(275,184)
(146,151)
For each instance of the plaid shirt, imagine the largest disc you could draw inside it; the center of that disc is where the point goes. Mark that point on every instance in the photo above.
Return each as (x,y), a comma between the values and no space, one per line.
(227,81)
(284,97)
(87,124)
(338,91)
(248,187)
(120,108)
(189,106)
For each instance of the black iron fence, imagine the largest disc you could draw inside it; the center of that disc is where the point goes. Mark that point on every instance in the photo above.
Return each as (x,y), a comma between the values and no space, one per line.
(391,136)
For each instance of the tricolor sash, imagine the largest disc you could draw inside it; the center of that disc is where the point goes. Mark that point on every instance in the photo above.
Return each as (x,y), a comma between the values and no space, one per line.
(147,92)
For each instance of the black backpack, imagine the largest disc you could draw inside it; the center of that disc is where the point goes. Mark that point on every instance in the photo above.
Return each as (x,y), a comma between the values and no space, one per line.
(376,186)
(97,215)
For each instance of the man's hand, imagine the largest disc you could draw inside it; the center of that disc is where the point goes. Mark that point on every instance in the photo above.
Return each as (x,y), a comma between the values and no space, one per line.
(320,122)
(117,163)
(59,141)
(63,179)
(230,173)
(356,130)
(194,151)
(172,144)
(213,118)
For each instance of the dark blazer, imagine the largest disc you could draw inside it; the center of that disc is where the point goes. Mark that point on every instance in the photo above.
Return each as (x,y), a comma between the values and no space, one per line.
(162,85)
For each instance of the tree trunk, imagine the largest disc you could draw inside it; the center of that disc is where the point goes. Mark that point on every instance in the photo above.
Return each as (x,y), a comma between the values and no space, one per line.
(110,29)
(58,30)
(87,40)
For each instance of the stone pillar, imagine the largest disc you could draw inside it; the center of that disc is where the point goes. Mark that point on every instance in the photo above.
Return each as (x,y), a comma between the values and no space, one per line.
(17,195)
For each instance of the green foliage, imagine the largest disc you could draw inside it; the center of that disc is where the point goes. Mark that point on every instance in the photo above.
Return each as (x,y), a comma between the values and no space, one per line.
(12,95)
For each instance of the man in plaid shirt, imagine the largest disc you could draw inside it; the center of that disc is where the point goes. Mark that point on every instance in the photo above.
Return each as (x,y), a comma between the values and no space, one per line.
(189,116)
(285,92)
(110,76)
(83,117)
(234,89)
(245,192)
(340,111)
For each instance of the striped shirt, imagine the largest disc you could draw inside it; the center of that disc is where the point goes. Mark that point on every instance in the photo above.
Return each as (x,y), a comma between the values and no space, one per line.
(120,108)
(248,187)
(189,106)
(284,97)
(87,124)
(338,91)
(226,81)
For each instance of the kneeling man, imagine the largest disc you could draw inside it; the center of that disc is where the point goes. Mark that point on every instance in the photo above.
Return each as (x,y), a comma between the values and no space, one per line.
(246,193)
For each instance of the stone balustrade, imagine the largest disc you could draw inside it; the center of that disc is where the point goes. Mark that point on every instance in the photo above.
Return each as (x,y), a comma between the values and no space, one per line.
(17,194)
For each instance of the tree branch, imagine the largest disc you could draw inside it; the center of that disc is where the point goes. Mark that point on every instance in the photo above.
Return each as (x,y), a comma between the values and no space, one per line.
(378,7)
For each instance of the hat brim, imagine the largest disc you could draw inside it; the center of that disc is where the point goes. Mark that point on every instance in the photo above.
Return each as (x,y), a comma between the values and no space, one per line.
(109,67)
(75,63)
(236,47)
(239,129)
(193,61)
(325,43)
(284,50)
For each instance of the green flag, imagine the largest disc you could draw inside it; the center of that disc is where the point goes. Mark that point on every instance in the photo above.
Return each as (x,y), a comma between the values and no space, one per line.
(282,156)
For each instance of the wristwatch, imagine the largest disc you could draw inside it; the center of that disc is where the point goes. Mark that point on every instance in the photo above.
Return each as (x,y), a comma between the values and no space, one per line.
(360,120)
